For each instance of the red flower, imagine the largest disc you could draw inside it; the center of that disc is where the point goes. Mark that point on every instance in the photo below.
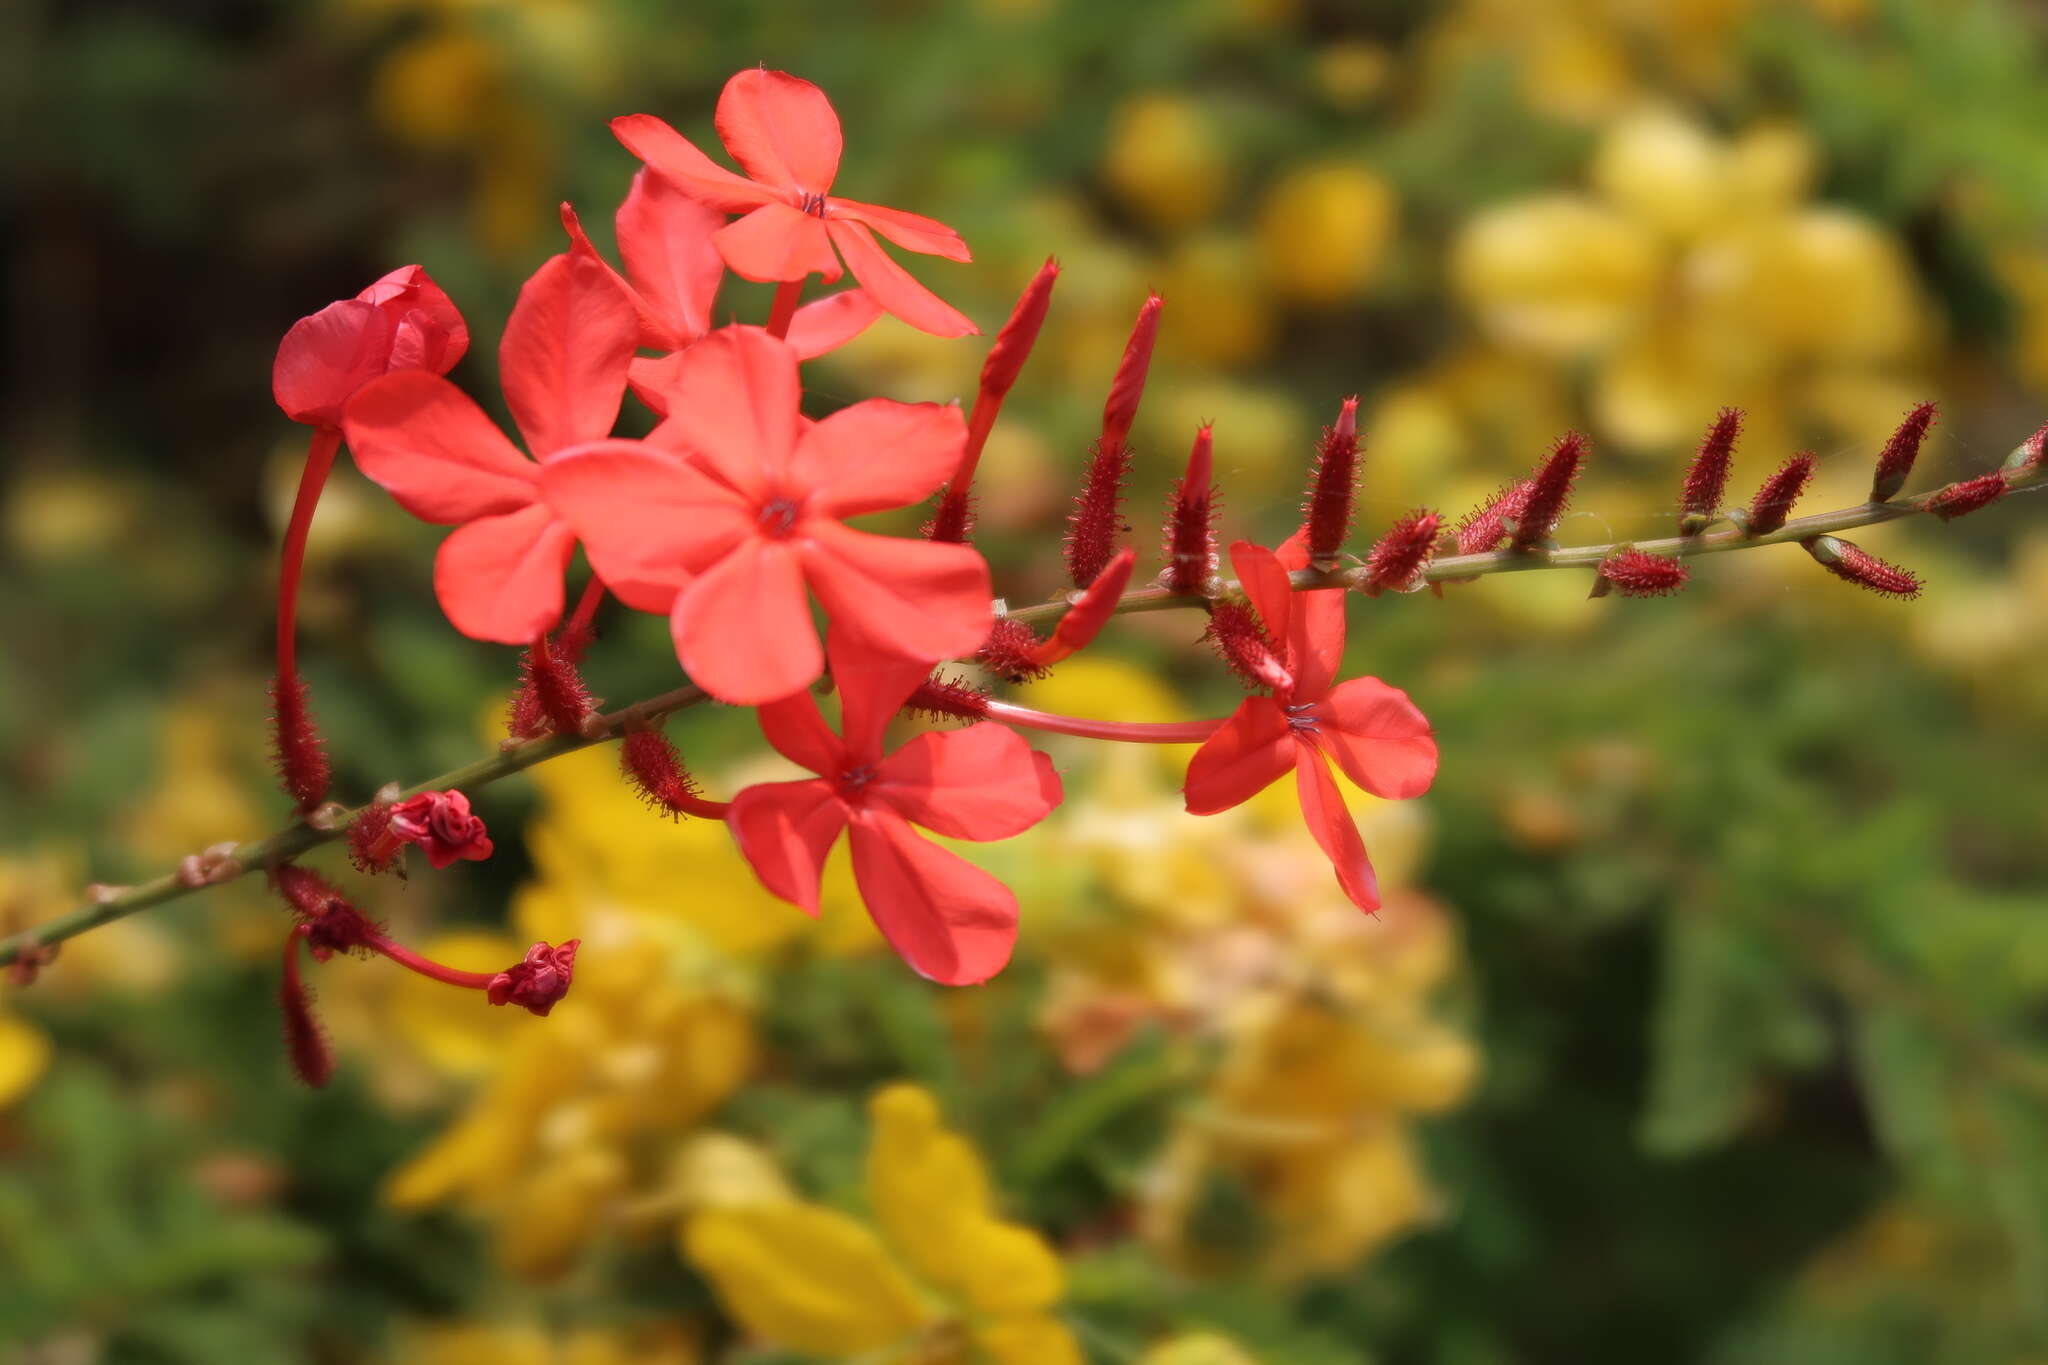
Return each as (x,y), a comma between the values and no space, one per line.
(951,921)
(442,824)
(727,541)
(1372,731)
(538,981)
(402,322)
(672,277)
(562,362)
(784,134)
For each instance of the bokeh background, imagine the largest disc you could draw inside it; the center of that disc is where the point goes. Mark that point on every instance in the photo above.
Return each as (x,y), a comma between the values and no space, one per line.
(1707,1020)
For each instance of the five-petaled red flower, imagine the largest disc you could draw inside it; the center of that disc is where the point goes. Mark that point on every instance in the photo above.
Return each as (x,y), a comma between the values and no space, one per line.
(562,363)
(402,322)
(443,825)
(949,919)
(783,132)
(726,541)
(1375,734)
(672,277)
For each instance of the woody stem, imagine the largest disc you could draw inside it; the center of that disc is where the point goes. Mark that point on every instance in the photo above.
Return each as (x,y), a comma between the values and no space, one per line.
(784,308)
(320,453)
(1128,732)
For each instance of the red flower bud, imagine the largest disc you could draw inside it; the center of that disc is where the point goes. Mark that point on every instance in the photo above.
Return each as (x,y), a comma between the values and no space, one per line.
(1484,527)
(1090,611)
(552,694)
(1895,461)
(1326,515)
(938,698)
(312,1056)
(1011,651)
(954,519)
(371,846)
(1636,573)
(1191,521)
(1707,478)
(1128,387)
(2028,453)
(538,981)
(1775,499)
(1853,564)
(651,763)
(402,322)
(295,743)
(1397,561)
(1237,635)
(442,824)
(1549,490)
(1961,499)
(1097,519)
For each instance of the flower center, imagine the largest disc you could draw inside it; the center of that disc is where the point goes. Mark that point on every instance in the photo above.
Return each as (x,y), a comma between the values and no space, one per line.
(1301,718)
(777,517)
(852,781)
(812,203)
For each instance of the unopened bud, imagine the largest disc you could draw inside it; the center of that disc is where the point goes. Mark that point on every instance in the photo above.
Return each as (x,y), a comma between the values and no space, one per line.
(1895,461)
(1853,564)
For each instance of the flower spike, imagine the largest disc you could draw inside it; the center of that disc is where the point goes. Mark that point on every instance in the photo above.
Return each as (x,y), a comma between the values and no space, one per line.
(1895,461)
(1326,515)
(651,763)
(1961,499)
(1097,519)
(1191,521)
(1707,478)
(1775,499)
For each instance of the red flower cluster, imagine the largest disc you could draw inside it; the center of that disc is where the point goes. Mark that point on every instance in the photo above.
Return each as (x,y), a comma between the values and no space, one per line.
(731,519)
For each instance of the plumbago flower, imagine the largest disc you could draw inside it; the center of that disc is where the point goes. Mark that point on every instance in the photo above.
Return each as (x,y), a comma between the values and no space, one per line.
(1372,731)
(784,133)
(562,362)
(726,540)
(948,919)
(673,273)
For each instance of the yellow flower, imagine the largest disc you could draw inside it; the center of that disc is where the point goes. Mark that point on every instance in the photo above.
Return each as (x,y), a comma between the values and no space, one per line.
(1197,1348)
(1323,229)
(1166,159)
(533,1344)
(944,1275)
(24,1053)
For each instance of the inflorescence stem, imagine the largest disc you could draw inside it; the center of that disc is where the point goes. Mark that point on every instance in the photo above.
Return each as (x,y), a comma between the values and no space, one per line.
(297,838)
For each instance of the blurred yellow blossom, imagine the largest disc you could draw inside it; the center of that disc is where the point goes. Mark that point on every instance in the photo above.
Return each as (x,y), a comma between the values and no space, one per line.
(1198,1348)
(943,1278)
(1323,228)
(1165,157)
(533,1344)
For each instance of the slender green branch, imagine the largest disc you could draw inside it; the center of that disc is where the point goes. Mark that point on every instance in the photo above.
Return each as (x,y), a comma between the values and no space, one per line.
(226,863)
(229,862)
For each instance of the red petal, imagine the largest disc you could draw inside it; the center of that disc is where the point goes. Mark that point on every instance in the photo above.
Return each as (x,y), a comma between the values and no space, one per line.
(1265,583)
(911,231)
(799,733)
(893,286)
(876,455)
(951,921)
(781,128)
(648,521)
(674,156)
(655,331)
(1379,738)
(1249,754)
(410,295)
(426,443)
(1315,629)
(500,578)
(1322,805)
(665,238)
(733,407)
(775,242)
(563,357)
(743,627)
(873,685)
(911,597)
(653,379)
(785,829)
(827,324)
(980,783)
(326,357)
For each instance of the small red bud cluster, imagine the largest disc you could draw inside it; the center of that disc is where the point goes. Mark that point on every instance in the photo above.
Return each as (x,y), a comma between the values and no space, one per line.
(1333,487)
(551,694)
(1853,564)
(1971,495)
(1549,491)
(1397,561)
(1097,519)
(1191,521)
(1895,461)
(1706,480)
(651,763)
(1243,644)
(1636,573)
(1780,492)
(954,520)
